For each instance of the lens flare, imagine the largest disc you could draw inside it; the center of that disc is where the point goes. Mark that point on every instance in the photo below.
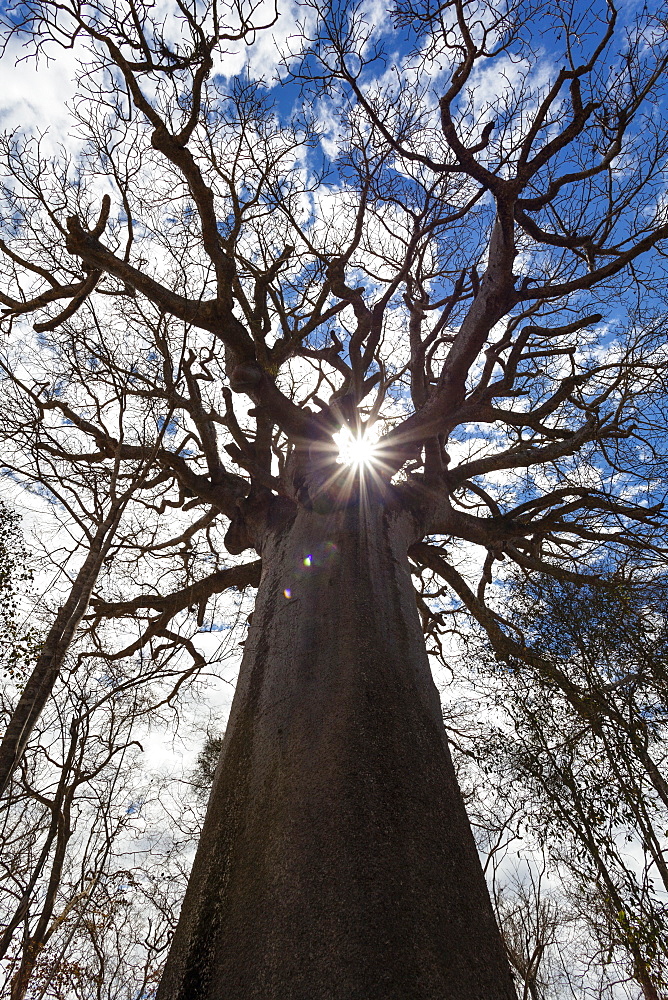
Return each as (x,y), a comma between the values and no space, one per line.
(355,450)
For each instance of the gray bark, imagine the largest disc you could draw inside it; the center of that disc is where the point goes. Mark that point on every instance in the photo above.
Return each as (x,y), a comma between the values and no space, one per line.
(336,860)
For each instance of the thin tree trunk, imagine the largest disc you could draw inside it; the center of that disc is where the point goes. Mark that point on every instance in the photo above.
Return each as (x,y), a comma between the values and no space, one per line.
(50,660)
(336,860)
(642,976)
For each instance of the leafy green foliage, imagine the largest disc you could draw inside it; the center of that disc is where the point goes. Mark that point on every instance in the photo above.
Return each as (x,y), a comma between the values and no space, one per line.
(18,638)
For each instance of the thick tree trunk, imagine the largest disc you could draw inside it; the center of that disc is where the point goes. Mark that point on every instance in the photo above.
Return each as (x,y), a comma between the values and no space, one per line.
(336,860)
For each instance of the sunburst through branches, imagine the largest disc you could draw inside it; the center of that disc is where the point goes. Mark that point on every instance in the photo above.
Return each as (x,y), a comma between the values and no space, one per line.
(356,450)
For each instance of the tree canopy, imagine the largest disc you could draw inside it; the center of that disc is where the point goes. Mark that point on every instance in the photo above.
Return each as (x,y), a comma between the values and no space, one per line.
(472,270)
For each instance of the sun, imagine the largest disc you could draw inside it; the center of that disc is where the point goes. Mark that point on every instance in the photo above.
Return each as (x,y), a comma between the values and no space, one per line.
(355,450)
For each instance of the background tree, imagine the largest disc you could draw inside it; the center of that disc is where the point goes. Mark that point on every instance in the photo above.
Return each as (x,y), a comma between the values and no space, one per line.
(470,278)
(89,890)
(577,752)
(18,641)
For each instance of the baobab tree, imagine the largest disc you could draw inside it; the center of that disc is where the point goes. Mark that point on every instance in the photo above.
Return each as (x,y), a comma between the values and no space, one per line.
(440,245)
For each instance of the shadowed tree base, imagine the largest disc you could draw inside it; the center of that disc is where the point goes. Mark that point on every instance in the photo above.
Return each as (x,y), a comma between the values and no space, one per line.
(336,860)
